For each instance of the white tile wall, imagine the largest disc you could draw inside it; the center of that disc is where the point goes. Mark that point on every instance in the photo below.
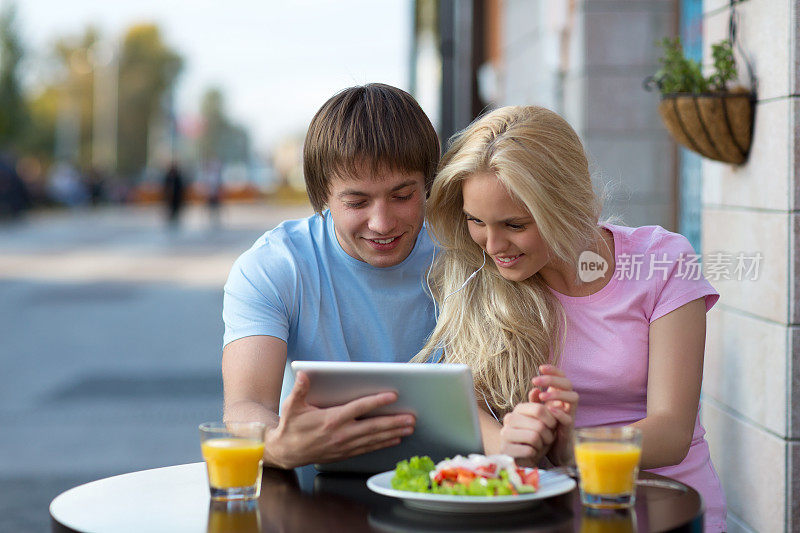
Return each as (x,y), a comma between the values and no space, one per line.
(735,525)
(751,465)
(793,494)
(794,154)
(745,367)
(733,231)
(764,181)
(751,392)
(764,33)
(712,6)
(793,376)
(794,270)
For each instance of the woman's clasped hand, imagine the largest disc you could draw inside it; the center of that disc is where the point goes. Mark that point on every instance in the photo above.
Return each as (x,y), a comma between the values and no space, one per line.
(542,426)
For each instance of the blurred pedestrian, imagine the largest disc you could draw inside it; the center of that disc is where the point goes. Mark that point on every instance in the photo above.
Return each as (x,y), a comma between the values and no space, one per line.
(174,193)
(95,183)
(214,193)
(14,197)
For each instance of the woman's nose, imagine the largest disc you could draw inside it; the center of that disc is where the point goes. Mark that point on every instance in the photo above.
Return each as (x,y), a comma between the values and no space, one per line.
(495,243)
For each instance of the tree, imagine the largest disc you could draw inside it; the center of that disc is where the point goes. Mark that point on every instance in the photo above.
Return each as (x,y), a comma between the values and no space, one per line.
(40,136)
(75,97)
(221,140)
(148,70)
(12,104)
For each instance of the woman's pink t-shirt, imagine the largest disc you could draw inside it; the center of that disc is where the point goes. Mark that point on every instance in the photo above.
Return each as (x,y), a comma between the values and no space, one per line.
(607,343)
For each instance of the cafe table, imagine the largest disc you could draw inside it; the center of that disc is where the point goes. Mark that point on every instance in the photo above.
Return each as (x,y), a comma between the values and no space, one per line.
(176,499)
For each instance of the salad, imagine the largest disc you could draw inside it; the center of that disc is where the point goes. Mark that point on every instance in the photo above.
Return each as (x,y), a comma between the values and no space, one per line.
(476,475)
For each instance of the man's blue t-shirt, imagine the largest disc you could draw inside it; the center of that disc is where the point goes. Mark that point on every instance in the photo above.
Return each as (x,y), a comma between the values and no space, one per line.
(297,284)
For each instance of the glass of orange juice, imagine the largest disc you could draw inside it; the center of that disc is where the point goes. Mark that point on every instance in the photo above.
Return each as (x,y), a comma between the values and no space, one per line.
(608,463)
(233,452)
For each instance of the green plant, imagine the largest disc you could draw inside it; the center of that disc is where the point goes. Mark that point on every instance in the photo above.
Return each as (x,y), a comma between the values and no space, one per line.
(724,66)
(679,74)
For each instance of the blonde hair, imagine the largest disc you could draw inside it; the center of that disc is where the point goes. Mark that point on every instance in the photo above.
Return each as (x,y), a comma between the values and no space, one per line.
(504,329)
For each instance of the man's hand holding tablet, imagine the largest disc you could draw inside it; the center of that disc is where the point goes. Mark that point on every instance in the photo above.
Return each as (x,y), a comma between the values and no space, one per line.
(366,409)
(308,434)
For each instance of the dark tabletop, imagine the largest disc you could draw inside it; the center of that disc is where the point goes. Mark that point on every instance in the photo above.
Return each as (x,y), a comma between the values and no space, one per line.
(176,499)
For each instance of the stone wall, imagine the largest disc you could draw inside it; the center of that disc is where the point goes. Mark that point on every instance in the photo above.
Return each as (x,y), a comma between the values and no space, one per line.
(751,390)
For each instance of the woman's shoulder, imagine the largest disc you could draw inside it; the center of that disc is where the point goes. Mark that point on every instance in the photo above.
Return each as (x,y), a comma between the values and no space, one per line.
(664,266)
(649,240)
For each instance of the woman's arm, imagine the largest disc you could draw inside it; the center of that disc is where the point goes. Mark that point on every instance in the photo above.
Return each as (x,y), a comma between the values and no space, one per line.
(490,431)
(675,373)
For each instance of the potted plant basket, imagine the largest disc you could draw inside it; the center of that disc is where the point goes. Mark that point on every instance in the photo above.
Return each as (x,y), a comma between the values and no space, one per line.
(702,113)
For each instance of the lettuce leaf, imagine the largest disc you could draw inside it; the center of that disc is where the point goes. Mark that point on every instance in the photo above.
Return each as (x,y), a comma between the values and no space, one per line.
(413,475)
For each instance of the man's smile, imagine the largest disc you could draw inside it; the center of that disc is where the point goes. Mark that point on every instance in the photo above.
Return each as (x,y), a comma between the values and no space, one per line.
(384,244)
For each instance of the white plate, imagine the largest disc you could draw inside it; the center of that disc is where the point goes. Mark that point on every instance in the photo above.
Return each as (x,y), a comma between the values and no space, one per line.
(550,484)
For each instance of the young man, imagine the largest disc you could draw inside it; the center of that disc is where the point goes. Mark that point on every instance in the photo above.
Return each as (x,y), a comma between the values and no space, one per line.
(346,284)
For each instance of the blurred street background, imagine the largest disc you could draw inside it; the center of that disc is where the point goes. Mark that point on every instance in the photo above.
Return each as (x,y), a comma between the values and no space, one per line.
(111,333)
(143,147)
(144,144)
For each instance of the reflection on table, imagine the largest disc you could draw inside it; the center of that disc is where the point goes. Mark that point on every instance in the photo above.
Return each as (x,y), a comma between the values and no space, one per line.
(176,499)
(305,500)
(620,521)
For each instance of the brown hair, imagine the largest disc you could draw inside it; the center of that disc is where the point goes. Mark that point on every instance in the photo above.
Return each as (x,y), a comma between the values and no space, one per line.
(376,125)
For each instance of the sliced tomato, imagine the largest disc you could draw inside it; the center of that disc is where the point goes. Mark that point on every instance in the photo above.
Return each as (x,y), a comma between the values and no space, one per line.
(487,471)
(449,474)
(465,476)
(531,478)
(456,475)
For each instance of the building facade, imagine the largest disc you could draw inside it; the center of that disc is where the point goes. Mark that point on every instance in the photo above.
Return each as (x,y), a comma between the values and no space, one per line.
(751,389)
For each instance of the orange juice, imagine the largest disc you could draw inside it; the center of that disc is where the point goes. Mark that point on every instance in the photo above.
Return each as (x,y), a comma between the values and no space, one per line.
(607,467)
(233,462)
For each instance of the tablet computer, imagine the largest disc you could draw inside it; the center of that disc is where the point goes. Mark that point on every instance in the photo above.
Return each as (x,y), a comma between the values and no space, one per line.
(440,396)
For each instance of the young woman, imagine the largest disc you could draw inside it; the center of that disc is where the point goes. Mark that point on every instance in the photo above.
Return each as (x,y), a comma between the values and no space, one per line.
(562,306)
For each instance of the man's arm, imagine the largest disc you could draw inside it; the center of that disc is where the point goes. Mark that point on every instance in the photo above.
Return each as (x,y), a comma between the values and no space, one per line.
(252,373)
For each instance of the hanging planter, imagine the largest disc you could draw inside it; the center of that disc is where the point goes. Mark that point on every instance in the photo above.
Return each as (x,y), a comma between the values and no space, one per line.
(718,126)
(701,113)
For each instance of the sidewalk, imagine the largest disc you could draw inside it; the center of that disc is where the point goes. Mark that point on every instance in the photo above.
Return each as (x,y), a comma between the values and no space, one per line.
(111,344)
